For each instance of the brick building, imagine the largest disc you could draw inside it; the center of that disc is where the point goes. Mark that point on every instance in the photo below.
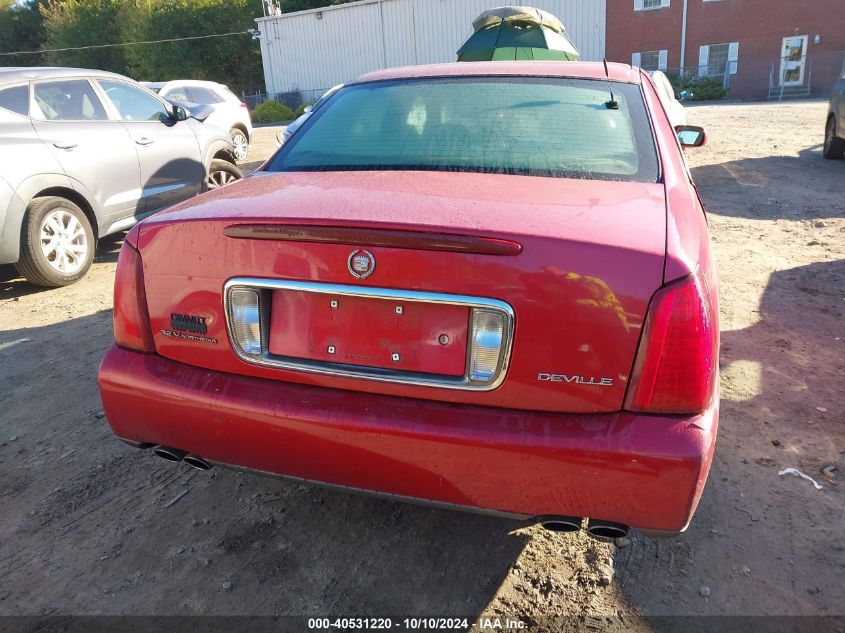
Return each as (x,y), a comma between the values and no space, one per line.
(757,48)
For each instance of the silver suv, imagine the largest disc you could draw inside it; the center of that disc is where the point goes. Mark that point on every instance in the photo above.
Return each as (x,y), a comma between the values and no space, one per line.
(86,153)
(834,131)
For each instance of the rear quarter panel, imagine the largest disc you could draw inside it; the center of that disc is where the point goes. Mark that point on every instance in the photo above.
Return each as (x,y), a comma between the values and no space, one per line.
(688,246)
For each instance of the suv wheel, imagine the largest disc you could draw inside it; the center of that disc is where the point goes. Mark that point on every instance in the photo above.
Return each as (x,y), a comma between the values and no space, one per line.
(834,147)
(57,243)
(240,142)
(222,173)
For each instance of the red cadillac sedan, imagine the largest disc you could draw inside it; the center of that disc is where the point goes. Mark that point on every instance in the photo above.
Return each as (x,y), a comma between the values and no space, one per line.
(486,286)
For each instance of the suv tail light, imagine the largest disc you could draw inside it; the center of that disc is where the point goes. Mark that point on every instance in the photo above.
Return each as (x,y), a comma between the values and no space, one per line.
(675,369)
(131,320)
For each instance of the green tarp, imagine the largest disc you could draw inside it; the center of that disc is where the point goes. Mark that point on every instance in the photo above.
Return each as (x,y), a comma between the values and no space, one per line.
(517,33)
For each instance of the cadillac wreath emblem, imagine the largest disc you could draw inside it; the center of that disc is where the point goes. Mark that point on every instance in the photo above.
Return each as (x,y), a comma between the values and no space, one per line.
(361,263)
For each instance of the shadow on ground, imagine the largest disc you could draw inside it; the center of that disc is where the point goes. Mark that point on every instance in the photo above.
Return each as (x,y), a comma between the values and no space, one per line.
(756,188)
(128,533)
(774,375)
(13,285)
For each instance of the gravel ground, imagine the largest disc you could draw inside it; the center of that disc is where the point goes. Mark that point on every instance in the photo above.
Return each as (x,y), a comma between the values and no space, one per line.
(90,526)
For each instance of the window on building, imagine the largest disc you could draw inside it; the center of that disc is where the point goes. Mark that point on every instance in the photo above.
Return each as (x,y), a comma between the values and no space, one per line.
(650,60)
(716,60)
(645,5)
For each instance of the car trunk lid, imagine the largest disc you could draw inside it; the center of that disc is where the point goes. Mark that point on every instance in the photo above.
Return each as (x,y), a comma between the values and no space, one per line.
(574,261)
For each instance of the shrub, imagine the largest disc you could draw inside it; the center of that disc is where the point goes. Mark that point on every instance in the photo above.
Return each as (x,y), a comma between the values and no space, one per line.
(272,112)
(291,99)
(702,88)
(301,110)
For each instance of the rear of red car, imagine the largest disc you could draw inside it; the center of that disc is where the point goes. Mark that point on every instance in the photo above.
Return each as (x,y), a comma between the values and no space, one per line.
(464,286)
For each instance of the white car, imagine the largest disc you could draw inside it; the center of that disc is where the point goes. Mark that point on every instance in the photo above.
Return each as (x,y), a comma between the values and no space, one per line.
(228,112)
(674,108)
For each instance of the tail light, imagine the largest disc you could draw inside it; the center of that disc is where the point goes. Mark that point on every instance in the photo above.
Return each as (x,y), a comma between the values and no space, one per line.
(487,334)
(243,105)
(676,365)
(245,310)
(131,320)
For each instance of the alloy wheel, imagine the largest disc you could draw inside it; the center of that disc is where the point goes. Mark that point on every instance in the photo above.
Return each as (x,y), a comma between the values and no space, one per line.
(219,178)
(241,145)
(63,241)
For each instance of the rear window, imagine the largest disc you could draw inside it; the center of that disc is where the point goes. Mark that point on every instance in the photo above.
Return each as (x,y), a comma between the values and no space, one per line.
(15,99)
(203,96)
(516,125)
(177,94)
(68,100)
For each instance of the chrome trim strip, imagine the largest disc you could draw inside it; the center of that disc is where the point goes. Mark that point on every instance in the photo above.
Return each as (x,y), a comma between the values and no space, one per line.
(389,496)
(266,359)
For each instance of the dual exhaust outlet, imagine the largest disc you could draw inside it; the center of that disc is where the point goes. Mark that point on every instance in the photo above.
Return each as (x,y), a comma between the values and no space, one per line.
(600,530)
(176,455)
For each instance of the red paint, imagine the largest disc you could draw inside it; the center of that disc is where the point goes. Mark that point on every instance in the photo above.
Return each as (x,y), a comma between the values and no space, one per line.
(587,70)
(644,471)
(305,325)
(594,254)
(394,239)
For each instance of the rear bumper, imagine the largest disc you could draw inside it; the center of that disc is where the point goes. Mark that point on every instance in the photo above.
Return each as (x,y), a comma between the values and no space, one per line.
(644,471)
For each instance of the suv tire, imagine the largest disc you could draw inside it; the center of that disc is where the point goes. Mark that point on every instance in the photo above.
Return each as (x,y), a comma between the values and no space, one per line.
(222,173)
(834,147)
(57,243)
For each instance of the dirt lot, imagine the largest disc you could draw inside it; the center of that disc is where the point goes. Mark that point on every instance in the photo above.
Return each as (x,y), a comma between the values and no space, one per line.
(90,526)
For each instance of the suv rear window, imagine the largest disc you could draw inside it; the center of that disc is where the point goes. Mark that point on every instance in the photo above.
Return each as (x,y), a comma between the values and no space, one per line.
(67,100)
(15,99)
(203,96)
(517,125)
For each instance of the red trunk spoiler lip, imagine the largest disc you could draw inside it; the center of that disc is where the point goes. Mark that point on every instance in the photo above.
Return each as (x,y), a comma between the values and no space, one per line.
(415,240)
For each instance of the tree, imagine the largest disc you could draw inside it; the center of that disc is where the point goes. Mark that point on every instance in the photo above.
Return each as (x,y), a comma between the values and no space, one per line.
(234,60)
(84,25)
(79,23)
(288,6)
(21,29)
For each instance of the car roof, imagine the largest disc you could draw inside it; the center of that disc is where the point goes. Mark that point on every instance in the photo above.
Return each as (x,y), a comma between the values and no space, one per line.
(586,70)
(200,83)
(14,74)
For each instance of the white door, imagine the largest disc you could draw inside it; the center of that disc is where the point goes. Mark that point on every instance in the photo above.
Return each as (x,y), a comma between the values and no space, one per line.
(793,59)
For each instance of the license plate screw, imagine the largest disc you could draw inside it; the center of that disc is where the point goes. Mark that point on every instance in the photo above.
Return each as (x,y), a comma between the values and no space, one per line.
(443,339)
(333,304)
(399,310)
(395,357)
(331,349)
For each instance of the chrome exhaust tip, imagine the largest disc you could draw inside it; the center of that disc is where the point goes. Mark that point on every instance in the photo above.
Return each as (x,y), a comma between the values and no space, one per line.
(170,454)
(561,524)
(606,530)
(196,461)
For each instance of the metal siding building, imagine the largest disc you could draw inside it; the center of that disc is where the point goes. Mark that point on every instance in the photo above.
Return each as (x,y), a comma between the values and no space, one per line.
(311,51)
